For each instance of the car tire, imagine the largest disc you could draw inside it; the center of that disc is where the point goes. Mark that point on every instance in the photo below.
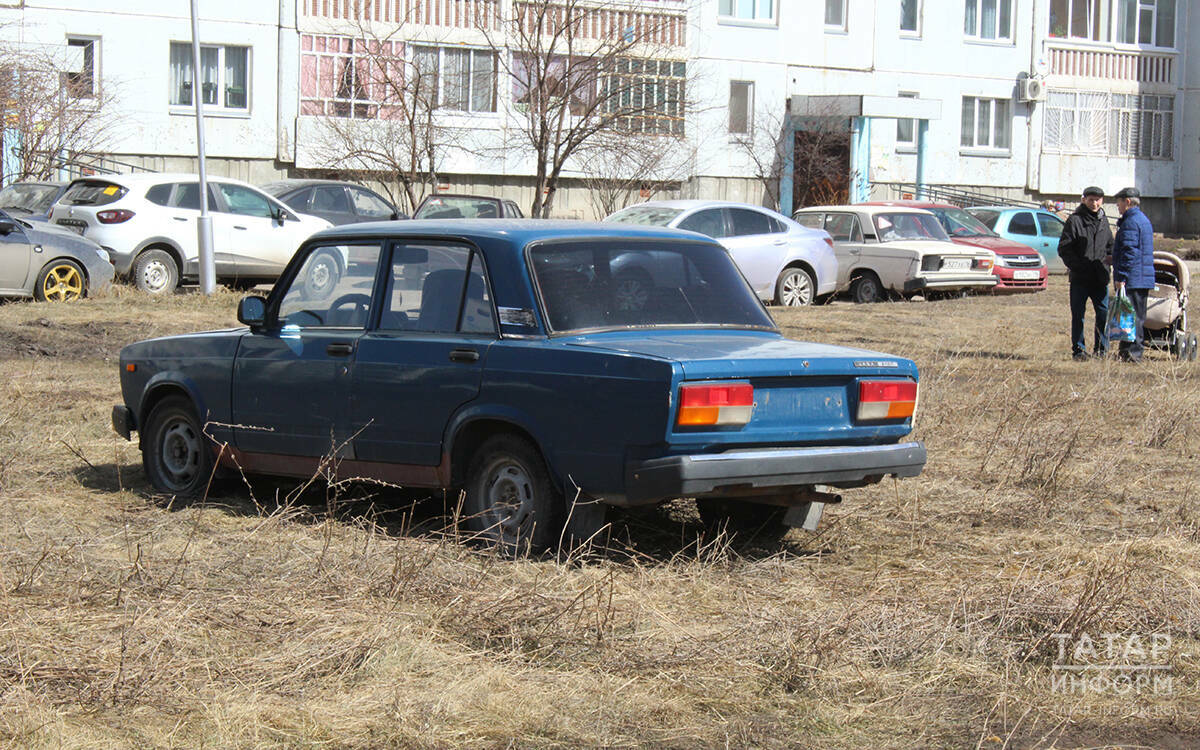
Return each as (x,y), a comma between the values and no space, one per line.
(1191,348)
(742,518)
(59,281)
(511,501)
(795,288)
(176,454)
(866,289)
(322,277)
(156,272)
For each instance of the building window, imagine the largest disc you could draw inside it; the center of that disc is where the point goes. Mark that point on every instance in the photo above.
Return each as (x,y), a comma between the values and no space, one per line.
(1148,22)
(1097,122)
(646,95)
(835,14)
(741,107)
(906,127)
(748,10)
(988,19)
(224,76)
(910,16)
(79,78)
(464,80)
(1076,19)
(985,123)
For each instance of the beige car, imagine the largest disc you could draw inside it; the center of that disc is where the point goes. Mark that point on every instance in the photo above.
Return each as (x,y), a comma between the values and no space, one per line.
(886,251)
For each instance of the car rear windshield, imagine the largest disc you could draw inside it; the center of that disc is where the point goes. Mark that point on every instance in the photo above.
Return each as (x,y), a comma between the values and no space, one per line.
(35,199)
(93,193)
(987,216)
(451,207)
(658,216)
(600,284)
(905,226)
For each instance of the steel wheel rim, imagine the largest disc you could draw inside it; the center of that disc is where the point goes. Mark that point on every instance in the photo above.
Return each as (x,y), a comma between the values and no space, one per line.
(508,497)
(179,453)
(796,289)
(155,276)
(63,283)
(320,276)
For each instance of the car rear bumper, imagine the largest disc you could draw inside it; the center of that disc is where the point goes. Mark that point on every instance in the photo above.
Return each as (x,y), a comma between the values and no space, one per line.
(752,471)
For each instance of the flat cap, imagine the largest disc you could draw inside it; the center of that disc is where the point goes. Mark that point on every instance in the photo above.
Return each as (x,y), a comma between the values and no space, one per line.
(1129,192)
(1093,190)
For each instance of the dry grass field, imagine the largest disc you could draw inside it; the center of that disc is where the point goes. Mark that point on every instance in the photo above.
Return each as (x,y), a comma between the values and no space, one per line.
(1060,508)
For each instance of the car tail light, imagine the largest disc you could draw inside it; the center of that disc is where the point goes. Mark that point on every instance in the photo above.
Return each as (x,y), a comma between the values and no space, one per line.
(715,405)
(114,215)
(886,399)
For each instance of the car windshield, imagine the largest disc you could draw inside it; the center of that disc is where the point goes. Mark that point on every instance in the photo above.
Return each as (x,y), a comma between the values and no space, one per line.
(657,216)
(602,284)
(458,207)
(959,223)
(35,199)
(906,226)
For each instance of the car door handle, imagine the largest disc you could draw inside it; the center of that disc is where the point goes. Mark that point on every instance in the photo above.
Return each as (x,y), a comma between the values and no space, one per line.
(339,349)
(464,355)
(235,226)
(779,242)
(179,218)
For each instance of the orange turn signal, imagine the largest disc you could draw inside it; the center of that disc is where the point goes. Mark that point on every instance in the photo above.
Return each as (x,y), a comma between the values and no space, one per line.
(715,404)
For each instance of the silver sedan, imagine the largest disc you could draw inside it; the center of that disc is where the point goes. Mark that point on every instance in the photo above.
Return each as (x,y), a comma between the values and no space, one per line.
(48,263)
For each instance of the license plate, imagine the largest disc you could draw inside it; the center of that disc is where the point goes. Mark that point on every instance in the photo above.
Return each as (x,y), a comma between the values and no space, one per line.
(1024,275)
(956,264)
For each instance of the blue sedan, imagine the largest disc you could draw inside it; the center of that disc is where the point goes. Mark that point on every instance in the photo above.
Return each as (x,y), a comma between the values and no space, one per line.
(503,358)
(1034,227)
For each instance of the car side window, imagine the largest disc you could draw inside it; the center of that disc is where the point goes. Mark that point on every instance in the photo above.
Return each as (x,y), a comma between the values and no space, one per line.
(709,222)
(437,289)
(159,194)
(811,220)
(299,201)
(187,195)
(244,201)
(1022,223)
(1051,226)
(747,222)
(369,205)
(329,291)
(514,211)
(843,227)
(330,198)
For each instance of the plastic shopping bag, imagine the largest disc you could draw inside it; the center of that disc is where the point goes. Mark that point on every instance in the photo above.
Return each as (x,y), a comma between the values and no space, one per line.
(1121,320)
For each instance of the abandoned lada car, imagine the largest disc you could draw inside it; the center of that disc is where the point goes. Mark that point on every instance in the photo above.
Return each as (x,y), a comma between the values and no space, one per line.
(500,358)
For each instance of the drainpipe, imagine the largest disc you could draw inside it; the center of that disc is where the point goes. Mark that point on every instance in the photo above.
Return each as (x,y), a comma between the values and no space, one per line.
(287,88)
(922,158)
(1032,142)
(786,199)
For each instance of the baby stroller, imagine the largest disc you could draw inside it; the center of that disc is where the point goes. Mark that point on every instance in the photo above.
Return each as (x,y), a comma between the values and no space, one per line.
(1166,308)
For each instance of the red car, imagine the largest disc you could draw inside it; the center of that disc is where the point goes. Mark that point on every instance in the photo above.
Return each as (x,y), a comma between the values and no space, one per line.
(1018,268)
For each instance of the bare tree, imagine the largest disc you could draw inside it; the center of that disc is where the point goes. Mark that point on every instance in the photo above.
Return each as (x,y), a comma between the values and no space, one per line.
(820,157)
(582,68)
(55,108)
(384,125)
(620,169)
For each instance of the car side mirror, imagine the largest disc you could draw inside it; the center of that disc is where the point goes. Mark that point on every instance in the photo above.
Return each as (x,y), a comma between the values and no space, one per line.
(7,227)
(279,214)
(252,311)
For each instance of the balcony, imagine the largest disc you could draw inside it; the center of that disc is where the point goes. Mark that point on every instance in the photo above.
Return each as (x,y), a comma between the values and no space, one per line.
(1090,62)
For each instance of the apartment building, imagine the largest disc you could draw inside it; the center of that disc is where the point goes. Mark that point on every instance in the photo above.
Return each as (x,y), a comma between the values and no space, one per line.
(1026,99)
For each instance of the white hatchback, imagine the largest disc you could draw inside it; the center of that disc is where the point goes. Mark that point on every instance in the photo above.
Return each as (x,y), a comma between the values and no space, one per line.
(784,262)
(147,222)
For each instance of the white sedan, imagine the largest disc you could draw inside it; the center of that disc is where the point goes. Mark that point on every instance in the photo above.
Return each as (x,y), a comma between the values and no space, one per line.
(784,262)
(888,251)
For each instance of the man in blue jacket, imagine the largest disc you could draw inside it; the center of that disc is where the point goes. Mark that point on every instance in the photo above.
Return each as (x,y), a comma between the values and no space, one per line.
(1133,264)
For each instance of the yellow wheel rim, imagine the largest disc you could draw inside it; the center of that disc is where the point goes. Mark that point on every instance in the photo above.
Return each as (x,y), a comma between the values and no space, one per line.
(63,284)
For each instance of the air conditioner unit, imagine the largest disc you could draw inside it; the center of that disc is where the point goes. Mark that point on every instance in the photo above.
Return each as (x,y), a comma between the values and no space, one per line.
(1030,89)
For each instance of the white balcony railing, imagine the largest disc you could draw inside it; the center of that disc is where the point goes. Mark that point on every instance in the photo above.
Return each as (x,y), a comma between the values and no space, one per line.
(1113,65)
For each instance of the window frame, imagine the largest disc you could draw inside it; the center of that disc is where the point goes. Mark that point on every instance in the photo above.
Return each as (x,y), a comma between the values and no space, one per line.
(747,114)
(440,75)
(990,148)
(914,33)
(222,85)
(911,143)
(71,79)
(732,17)
(975,35)
(1141,7)
(842,25)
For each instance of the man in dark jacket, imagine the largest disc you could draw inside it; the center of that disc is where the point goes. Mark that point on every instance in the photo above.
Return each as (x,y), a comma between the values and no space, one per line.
(1133,264)
(1084,246)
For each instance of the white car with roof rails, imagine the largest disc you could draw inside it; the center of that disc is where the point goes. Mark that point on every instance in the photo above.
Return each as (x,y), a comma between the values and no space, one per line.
(893,252)
(785,263)
(147,222)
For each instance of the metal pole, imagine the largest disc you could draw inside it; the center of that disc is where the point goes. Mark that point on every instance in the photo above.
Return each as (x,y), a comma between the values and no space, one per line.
(208,270)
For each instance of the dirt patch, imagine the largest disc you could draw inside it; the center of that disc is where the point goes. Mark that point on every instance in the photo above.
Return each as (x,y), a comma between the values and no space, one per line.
(43,337)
